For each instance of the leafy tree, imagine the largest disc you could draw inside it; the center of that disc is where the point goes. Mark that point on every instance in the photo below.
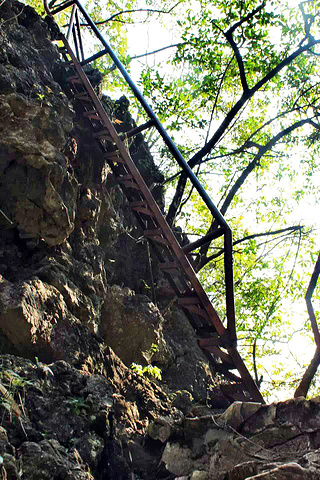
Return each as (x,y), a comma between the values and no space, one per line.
(249,91)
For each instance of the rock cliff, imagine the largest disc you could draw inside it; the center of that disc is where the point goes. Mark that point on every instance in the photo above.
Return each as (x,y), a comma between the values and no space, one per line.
(76,310)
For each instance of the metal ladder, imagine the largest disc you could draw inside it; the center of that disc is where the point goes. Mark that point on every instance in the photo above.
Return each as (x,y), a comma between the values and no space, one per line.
(217,342)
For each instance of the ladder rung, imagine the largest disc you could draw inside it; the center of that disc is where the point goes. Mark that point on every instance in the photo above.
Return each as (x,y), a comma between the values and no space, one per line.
(94,117)
(124,178)
(152,233)
(84,97)
(240,397)
(143,210)
(114,157)
(156,235)
(197,310)
(139,203)
(142,207)
(169,266)
(103,135)
(128,183)
(214,341)
(221,354)
(188,301)
(92,114)
(74,79)
(237,391)
(232,387)
(167,291)
(157,239)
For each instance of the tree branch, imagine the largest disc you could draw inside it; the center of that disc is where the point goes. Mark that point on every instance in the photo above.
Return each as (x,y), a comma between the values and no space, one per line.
(304,385)
(247,17)
(177,198)
(255,162)
(238,56)
(247,95)
(244,175)
(149,10)
(308,21)
(158,50)
(310,290)
(229,36)
(217,96)
(206,260)
(306,380)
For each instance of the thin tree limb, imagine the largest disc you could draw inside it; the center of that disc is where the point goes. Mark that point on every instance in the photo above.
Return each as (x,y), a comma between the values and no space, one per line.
(137,10)
(206,260)
(255,162)
(306,380)
(247,17)
(244,175)
(177,198)
(238,56)
(247,95)
(217,96)
(158,50)
(310,290)
(304,385)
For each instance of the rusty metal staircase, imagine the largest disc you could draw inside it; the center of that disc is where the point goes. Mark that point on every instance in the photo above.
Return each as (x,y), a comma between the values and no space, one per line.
(217,341)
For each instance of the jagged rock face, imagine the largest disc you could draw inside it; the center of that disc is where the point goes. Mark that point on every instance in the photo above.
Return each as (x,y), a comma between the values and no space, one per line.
(38,195)
(74,277)
(53,201)
(131,324)
(76,425)
(247,442)
(67,233)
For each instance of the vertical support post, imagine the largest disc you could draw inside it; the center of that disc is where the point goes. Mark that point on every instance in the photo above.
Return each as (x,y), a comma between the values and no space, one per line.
(228,272)
(75,41)
(79,36)
(70,28)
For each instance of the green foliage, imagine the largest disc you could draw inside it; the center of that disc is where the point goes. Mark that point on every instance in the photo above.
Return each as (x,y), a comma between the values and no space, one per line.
(78,405)
(150,370)
(11,387)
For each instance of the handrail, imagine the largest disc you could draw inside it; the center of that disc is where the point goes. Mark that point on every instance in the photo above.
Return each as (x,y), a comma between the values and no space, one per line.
(228,257)
(168,141)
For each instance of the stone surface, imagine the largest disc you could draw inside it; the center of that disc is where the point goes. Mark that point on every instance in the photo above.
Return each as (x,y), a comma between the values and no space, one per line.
(131,324)
(238,413)
(73,269)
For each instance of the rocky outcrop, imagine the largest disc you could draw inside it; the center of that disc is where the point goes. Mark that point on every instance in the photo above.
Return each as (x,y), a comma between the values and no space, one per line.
(105,421)
(73,262)
(76,425)
(75,280)
(246,442)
